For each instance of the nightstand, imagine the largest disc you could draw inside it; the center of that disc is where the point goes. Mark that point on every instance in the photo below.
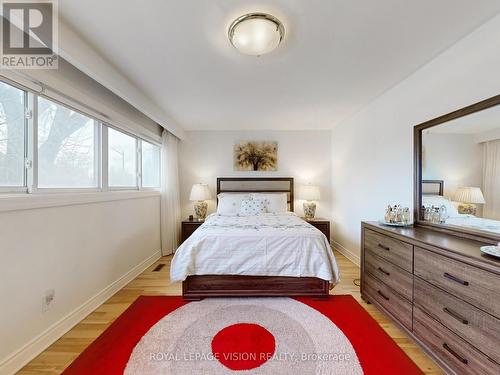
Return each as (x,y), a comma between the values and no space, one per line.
(188,227)
(322,224)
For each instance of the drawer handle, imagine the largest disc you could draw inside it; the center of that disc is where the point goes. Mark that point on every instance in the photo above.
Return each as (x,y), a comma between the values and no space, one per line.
(455,354)
(384,271)
(383,295)
(387,248)
(455,315)
(456,279)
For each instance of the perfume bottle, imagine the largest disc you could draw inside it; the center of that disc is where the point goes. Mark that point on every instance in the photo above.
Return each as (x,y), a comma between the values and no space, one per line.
(443,214)
(427,215)
(435,215)
(392,216)
(387,216)
(406,215)
(399,214)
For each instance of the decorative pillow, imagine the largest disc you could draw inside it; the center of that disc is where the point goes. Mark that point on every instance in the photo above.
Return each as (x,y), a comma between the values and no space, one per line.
(253,206)
(275,202)
(230,203)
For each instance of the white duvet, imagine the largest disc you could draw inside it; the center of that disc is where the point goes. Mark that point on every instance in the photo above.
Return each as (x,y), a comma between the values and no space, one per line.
(262,245)
(474,222)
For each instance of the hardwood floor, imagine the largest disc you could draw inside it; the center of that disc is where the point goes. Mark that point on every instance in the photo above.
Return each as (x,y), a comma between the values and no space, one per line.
(60,354)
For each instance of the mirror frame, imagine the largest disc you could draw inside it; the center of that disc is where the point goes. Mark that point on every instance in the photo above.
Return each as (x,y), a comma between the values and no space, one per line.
(482,236)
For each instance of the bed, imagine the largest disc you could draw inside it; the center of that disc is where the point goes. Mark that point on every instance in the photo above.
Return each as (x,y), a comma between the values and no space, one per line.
(270,254)
(433,195)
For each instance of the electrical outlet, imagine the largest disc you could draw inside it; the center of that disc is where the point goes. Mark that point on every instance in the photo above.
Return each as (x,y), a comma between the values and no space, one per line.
(48,299)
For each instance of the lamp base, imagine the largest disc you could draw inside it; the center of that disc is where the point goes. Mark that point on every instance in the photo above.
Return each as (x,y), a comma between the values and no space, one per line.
(467,209)
(309,210)
(200,210)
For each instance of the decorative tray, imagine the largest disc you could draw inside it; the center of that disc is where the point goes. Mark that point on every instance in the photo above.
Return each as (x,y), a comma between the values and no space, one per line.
(491,250)
(400,224)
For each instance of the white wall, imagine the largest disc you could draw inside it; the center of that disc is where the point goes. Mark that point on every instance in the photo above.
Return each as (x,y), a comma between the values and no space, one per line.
(372,152)
(304,155)
(78,250)
(455,158)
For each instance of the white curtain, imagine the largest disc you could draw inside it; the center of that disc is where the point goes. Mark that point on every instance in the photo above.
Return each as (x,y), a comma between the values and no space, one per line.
(170,199)
(491,179)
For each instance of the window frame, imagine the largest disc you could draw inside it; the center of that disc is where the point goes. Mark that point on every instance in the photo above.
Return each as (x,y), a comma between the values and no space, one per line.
(97,165)
(101,152)
(24,188)
(137,162)
(159,167)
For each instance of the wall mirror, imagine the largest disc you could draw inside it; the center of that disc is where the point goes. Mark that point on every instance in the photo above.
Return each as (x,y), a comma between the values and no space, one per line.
(457,171)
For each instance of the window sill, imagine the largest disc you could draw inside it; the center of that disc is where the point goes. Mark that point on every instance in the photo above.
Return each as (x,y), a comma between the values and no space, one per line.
(14,202)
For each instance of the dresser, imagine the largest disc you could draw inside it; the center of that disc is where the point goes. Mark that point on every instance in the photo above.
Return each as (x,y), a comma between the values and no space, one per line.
(440,289)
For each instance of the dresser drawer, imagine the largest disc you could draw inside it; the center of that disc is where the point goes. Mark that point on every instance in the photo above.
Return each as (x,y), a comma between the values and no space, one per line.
(397,252)
(457,353)
(398,279)
(476,286)
(399,307)
(475,326)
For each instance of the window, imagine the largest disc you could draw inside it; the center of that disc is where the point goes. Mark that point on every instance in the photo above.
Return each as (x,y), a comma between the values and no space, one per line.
(150,165)
(66,147)
(122,156)
(12,136)
(61,148)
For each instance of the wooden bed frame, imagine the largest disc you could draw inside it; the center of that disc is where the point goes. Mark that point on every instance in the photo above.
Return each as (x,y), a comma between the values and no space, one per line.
(433,187)
(201,286)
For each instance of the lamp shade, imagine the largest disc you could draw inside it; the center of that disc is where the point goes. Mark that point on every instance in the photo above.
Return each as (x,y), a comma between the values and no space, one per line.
(472,195)
(310,193)
(199,192)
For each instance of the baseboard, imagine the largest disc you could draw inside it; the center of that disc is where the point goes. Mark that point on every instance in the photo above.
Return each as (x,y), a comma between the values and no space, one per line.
(21,357)
(346,252)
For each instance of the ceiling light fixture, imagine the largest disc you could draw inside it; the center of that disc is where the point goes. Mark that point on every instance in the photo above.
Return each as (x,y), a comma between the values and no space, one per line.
(256,33)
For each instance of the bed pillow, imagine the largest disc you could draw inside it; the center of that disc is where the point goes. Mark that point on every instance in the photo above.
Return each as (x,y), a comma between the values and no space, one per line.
(230,203)
(438,201)
(253,206)
(275,202)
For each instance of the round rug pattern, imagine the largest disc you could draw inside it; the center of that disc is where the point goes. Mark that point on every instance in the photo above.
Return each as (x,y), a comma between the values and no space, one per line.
(304,341)
(255,341)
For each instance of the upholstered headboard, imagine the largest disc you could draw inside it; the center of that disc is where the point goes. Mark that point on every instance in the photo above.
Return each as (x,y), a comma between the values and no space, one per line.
(432,187)
(257,185)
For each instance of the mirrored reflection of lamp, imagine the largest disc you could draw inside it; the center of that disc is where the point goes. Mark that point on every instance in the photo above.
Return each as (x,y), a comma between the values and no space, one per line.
(310,193)
(200,193)
(468,198)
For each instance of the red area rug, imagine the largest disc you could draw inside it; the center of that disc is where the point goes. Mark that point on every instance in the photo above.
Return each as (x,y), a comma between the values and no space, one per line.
(252,335)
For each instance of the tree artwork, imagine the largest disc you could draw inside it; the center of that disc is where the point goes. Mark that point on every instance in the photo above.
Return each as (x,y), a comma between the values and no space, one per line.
(256,156)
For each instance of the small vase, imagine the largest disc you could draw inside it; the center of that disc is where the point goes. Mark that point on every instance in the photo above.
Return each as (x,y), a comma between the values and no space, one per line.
(309,210)
(467,209)
(200,210)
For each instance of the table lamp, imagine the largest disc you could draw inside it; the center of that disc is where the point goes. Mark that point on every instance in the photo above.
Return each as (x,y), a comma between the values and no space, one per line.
(468,198)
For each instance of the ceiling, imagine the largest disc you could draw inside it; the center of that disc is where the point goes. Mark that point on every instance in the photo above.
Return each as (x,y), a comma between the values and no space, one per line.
(337,55)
